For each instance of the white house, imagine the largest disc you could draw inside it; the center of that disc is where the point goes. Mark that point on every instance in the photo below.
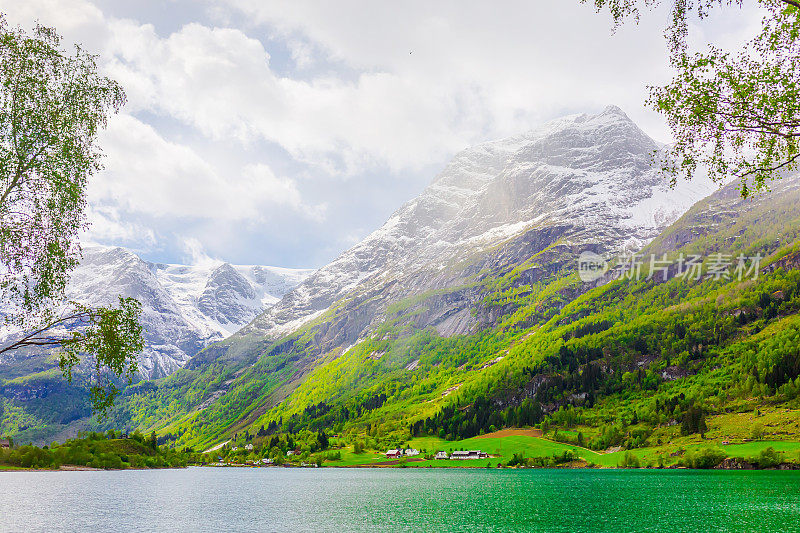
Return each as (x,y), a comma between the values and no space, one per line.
(248,447)
(441,455)
(472,454)
(410,451)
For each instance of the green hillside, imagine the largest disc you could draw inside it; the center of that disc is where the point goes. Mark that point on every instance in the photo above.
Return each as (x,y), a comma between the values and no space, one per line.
(95,450)
(647,366)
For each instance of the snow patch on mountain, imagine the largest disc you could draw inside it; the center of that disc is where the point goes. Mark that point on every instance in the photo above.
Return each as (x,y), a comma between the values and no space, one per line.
(184,307)
(594,172)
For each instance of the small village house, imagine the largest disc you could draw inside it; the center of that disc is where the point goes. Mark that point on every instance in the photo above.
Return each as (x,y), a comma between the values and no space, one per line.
(441,455)
(394,454)
(5,443)
(471,454)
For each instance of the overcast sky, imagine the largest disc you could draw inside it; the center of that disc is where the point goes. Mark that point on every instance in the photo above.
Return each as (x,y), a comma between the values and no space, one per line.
(282,133)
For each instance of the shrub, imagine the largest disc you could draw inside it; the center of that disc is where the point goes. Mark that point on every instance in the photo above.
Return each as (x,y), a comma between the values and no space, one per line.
(517,460)
(768,458)
(703,458)
(629,460)
(333,456)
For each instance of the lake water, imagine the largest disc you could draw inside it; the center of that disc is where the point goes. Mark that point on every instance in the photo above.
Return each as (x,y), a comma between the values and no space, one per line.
(328,499)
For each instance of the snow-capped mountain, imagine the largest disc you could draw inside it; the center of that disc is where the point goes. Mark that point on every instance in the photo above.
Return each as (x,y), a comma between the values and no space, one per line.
(590,176)
(184,307)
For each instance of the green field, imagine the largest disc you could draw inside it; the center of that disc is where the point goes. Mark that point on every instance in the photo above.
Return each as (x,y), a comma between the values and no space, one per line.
(503,448)
(11,468)
(749,449)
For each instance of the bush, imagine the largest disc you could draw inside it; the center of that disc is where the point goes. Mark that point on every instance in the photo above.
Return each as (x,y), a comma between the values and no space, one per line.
(629,460)
(567,456)
(94,450)
(517,460)
(768,458)
(333,456)
(703,458)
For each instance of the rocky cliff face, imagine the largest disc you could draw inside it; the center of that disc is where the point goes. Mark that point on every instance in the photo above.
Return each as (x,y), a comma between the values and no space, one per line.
(734,219)
(577,182)
(184,307)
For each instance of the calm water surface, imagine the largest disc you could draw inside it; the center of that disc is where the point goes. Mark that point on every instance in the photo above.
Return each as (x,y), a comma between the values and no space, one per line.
(277,499)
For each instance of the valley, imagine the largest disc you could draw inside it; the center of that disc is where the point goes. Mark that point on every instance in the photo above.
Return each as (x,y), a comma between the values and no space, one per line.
(464,315)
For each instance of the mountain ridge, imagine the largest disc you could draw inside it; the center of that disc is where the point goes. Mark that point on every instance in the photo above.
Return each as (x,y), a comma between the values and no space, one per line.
(451,290)
(184,307)
(568,172)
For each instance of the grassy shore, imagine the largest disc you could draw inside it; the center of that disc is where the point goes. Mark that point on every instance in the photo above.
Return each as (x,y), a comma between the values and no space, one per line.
(503,446)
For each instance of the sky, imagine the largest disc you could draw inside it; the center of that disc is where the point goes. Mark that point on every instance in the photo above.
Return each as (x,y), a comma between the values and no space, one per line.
(283,132)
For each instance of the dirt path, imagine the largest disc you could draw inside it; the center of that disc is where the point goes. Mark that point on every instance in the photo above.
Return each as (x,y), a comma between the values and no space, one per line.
(217,447)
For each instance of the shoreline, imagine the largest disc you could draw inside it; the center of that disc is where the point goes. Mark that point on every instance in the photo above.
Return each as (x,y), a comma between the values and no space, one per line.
(80,468)
(783,467)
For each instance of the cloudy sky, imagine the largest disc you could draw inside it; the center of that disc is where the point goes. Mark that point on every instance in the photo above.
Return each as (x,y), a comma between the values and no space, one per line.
(283,132)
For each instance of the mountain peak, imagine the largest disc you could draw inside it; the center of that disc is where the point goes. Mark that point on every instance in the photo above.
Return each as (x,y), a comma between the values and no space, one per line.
(612,109)
(588,178)
(613,117)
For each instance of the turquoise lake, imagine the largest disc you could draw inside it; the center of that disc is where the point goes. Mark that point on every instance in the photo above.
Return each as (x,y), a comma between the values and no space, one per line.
(328,499)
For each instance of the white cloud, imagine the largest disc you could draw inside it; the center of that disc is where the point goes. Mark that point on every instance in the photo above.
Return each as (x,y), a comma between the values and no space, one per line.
(220,82)
(258,181)
(478,70)
(149,175)
(422,79)
(195,254)
(302,53)
(78,21)
(107,225)
(304,90)
(425,79)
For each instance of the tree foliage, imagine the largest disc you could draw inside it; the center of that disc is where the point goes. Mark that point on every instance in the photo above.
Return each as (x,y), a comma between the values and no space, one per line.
(52,107)
(734,114)
(96,450)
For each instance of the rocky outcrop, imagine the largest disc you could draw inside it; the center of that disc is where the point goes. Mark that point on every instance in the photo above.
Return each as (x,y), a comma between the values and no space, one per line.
(732,463)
